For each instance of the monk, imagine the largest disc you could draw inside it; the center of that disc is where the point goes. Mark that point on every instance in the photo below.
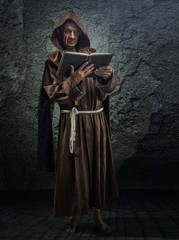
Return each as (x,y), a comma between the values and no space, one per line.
(85,174)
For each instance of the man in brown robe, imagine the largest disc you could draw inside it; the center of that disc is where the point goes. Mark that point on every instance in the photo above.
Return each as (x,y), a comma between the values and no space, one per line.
(85,175)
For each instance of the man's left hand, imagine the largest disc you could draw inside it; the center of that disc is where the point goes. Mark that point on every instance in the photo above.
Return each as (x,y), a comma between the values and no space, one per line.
(104,72)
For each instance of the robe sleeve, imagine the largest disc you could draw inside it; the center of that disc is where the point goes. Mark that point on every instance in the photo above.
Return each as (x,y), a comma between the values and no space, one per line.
(61,89)
(106,87)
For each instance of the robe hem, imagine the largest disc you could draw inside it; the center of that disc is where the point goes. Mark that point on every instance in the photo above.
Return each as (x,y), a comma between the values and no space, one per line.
(56,215)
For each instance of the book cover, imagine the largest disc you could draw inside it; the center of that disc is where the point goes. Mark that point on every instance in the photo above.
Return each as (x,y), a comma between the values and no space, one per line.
(77,59)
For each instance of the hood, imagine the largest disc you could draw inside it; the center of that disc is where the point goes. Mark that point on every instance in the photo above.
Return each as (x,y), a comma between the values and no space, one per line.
(57,37)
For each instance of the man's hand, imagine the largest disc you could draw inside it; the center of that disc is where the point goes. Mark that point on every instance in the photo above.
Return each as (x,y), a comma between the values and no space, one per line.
(82,72)
(104,72)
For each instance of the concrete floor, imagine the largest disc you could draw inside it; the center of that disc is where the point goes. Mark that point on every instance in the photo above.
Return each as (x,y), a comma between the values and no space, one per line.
(136,215)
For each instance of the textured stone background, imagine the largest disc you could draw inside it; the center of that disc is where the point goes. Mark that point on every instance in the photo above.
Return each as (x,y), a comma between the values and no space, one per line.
(144,37)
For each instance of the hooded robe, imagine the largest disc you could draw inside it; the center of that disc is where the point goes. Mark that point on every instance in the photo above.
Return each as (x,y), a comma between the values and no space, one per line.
(86,178)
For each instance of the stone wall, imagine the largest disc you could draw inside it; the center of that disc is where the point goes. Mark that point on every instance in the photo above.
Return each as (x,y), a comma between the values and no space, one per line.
(144,37)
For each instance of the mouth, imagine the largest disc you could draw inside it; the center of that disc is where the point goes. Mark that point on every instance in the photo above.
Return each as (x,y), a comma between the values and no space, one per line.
(71,42)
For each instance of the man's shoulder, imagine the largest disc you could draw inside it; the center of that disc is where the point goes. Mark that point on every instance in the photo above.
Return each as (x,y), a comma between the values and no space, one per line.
(87,50)
(92,50)
(54,57)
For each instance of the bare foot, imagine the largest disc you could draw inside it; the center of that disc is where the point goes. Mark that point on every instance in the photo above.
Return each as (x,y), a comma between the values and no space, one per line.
(72,225)
(102,227)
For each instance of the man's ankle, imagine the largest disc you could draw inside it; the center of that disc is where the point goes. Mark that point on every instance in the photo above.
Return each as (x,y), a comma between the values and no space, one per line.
(97,214)
(97,217)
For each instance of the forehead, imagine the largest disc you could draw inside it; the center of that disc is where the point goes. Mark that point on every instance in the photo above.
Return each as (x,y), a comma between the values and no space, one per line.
(71,26)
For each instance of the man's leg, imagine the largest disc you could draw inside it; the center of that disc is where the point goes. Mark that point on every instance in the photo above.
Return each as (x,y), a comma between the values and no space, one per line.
(99,223)
(72,225)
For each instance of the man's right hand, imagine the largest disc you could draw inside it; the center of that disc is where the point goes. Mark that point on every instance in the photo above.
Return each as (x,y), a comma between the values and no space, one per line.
(82,72)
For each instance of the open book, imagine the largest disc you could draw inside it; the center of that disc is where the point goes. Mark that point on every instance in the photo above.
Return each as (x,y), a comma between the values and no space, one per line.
(77,59)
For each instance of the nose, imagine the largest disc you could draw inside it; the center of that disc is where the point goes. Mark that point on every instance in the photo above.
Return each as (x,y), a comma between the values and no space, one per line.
(72,35)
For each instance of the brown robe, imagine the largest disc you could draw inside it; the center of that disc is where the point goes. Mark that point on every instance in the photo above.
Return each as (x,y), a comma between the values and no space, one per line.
(85,178)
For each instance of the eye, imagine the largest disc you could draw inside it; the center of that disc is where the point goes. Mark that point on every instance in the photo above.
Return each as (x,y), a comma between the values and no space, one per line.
(76,32)
(67,31)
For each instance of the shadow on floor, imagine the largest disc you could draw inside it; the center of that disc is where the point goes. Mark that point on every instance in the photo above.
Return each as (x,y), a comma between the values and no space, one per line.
(135,215)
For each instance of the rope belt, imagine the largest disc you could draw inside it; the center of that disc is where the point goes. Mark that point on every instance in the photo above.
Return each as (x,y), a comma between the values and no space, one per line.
(73,112)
